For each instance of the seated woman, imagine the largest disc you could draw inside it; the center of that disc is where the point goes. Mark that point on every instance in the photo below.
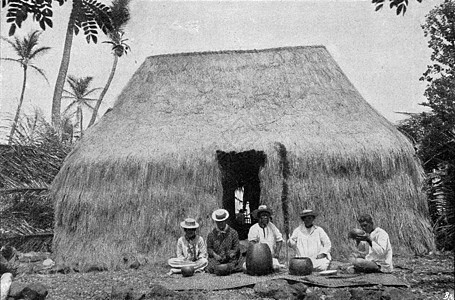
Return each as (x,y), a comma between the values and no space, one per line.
(191,249)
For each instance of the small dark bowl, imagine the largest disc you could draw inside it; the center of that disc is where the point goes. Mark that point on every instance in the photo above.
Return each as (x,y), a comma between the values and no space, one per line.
(223,270)
(187,271)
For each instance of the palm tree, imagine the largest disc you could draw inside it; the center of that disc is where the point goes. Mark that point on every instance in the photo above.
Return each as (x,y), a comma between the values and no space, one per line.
(79,94)
(27,49)
(86,15)
(120,15)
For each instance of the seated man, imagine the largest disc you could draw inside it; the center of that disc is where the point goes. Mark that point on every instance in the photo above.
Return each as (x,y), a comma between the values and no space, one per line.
(375,250)
(191,249)
(311,241)
(223,243)
(266,232)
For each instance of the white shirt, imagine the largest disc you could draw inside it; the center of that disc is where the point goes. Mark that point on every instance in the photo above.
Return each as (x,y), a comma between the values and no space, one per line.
(310,242)
(195,249)
(381,250)
(269,235)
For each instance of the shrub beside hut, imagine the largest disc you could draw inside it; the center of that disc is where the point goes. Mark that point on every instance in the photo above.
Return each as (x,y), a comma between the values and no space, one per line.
(284,124)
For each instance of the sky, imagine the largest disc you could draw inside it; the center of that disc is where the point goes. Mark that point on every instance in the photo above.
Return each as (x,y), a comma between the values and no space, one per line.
(381,53)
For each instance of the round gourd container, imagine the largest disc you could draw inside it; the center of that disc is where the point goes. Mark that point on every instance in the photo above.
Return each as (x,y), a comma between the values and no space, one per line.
(222,269)
(300,266)
(187,271)
(259,259)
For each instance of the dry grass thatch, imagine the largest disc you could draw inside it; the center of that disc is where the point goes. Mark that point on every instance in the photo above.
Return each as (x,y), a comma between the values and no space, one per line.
(151,161)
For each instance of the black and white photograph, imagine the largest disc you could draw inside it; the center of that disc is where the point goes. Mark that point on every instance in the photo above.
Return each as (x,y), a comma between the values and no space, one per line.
(239,150)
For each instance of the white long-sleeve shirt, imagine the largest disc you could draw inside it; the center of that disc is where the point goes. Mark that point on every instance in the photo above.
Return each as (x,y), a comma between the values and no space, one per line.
(381,250)
(269,235)
(310,242)
(191,250)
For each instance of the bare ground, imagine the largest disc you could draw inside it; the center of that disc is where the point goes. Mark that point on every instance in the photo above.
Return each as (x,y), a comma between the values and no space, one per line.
(429,277)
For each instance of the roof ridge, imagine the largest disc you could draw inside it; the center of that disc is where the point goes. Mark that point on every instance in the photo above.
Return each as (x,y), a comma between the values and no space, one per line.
(235,51)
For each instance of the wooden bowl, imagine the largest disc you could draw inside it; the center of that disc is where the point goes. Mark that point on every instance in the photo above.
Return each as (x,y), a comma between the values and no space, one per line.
(300,266)
(222,270)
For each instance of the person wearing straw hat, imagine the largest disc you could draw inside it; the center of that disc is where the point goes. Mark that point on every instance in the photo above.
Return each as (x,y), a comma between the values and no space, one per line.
(375,250)
(309,240)
(223,245)
(191,249)
(266,232)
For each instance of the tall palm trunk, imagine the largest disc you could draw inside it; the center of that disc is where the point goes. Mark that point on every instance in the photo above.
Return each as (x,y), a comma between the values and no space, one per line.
(78,131)
(19,106)
(106,87)
(63,70)
(81,120)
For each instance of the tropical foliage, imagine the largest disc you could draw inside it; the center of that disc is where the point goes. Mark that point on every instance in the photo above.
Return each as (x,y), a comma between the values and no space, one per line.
(27,50)
(120,16)
(399,5)
(434,131)
(78,93)
(27,167)
(86,15)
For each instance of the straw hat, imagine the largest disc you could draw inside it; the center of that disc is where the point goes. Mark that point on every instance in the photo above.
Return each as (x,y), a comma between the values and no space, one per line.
(308,212)
(189,223)
(220,215)
(261,208)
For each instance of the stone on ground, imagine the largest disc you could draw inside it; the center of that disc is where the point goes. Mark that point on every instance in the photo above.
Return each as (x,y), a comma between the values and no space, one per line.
(35,291)
(279,289)
(5,284)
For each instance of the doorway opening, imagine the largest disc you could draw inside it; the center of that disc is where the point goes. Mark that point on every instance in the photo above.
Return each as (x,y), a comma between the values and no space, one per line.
(241,186)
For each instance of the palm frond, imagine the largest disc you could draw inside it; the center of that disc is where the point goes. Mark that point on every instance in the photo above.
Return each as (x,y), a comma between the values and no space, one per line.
(40,71)
(39,51)
(14,45)
(79,86)
(70,106)
(23,189)
(90,92)
(109,42)
(23,236)
(12,59)
(88,105)
(72,81)
(71,94)
(84,84)
(28,43)
(27,167)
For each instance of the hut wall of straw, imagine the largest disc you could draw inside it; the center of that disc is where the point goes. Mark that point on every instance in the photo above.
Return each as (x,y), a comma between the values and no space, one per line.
(151,161)
(340,191)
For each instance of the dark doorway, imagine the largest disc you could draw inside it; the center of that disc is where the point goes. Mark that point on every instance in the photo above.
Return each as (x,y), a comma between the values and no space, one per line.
(241,171)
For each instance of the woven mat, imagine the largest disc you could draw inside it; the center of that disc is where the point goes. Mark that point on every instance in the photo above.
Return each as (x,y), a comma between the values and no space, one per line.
(349,280)
(210,282)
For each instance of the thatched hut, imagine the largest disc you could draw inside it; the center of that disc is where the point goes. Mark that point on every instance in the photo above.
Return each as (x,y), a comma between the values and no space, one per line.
(189,129)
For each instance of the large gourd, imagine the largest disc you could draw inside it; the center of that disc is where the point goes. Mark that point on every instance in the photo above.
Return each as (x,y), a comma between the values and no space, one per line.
(259,259)
(300,266)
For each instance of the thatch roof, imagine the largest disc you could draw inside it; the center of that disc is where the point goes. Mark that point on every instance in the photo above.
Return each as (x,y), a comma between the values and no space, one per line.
(151,160)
